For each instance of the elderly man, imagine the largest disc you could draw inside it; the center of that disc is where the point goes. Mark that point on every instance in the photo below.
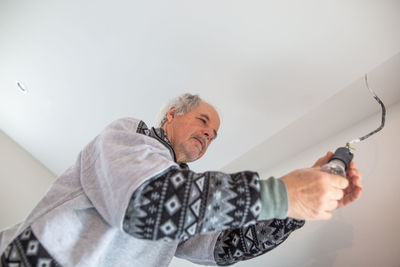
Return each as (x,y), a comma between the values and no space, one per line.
(131,200)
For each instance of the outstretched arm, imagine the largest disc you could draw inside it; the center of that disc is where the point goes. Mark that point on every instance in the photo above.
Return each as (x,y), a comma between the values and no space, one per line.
(244,243)
(180,204)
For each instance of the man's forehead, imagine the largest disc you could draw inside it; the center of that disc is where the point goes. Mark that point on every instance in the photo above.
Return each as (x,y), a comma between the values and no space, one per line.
(207,110)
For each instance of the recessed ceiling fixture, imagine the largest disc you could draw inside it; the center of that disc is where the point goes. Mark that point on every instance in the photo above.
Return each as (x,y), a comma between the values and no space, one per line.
(22,87)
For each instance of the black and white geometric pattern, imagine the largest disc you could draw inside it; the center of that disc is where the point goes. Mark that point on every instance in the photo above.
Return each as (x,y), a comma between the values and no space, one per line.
(26,251)
(182,203)
(248,242)
(159,134)
(142,128)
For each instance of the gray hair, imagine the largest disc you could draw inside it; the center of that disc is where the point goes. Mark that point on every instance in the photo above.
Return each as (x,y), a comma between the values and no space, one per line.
(182,104)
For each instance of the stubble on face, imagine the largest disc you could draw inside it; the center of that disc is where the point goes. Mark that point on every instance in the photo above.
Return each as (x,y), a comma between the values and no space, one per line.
(186,155)
(190,152)
(191,133)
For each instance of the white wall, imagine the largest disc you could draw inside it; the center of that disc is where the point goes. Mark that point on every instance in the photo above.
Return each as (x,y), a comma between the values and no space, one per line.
(23,181)
(365,233)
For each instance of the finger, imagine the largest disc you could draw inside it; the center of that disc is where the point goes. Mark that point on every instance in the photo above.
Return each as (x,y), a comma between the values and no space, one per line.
(352,165)
(354,171)
(355,177)
(330,205)
(335,194)
(322,215)
(351,196)
(338,181)
(323,160)
(355,194)
(326,215)
(356,181)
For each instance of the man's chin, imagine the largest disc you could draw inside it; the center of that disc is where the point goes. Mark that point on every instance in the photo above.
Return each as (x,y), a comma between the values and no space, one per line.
(188,154)
(189,158)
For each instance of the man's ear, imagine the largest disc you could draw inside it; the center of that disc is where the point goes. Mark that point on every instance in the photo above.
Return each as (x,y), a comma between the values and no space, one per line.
(171,114)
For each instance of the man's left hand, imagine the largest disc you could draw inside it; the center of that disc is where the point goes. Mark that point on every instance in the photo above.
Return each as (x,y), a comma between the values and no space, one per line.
(353,191)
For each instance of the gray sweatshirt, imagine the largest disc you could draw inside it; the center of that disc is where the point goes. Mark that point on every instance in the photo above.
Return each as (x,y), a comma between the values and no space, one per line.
(126,202)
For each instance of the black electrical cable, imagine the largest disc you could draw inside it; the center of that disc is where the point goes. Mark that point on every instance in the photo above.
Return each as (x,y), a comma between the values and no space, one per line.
(383,116)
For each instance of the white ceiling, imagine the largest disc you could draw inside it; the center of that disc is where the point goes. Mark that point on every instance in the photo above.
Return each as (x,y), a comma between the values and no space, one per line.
(333,116)
(264,64)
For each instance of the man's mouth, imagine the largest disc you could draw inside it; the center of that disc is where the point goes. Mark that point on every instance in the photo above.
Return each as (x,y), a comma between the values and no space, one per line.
(200,141)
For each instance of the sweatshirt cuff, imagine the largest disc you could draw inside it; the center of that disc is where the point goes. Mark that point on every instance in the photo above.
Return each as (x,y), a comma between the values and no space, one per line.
(274,199)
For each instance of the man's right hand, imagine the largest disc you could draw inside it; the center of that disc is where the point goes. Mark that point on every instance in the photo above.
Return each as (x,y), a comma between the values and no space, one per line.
(313,194)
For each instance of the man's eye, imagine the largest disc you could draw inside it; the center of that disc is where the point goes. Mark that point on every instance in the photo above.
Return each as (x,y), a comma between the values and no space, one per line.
(202,120)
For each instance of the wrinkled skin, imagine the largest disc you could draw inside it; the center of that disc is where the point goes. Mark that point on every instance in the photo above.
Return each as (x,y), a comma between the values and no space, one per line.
(314,194)
(190,134)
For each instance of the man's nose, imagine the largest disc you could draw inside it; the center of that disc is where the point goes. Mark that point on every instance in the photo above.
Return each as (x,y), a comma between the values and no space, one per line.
(209,134)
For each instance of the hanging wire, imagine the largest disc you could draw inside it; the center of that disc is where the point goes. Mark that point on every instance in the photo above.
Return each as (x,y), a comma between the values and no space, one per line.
(383,117)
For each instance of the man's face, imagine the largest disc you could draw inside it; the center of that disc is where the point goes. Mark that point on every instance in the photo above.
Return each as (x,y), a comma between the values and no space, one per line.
(190,134)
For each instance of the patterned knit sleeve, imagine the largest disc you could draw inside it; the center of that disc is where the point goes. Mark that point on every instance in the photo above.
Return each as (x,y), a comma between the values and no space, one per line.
(252,241)
(180,204)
